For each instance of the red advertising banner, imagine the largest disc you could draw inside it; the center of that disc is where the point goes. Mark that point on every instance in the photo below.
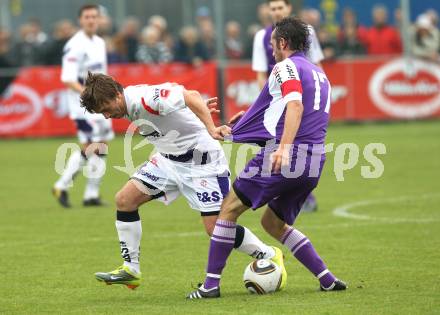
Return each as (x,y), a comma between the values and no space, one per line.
(35,104)
(364,89)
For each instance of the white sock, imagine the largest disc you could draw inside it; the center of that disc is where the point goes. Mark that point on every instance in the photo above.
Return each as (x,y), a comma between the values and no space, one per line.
(96,170)
(253,246)
(74,164)
(130,234)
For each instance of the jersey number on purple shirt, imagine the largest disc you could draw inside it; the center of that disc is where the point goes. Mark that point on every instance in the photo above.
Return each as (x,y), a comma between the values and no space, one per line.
(319,78)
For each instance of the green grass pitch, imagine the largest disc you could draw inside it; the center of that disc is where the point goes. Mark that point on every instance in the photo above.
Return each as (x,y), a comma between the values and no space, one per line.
(390,259)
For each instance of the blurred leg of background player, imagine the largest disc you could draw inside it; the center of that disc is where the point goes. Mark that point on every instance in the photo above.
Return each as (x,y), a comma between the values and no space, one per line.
(310,205)
(92,135)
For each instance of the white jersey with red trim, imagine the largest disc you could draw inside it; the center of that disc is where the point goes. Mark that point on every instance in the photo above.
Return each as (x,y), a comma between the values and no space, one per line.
(163,118)
(80,55)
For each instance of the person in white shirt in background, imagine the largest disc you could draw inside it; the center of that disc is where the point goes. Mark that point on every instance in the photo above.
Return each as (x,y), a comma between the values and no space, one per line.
(84,52)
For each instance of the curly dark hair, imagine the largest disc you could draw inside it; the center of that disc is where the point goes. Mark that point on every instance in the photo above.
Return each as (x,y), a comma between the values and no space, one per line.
(295,32)
(99,89)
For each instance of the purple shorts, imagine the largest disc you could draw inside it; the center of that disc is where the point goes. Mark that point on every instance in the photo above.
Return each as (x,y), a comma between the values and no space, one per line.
(285,192)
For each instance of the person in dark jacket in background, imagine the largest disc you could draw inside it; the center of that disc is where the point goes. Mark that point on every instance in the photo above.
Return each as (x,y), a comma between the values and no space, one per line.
(189,48)
(53,53)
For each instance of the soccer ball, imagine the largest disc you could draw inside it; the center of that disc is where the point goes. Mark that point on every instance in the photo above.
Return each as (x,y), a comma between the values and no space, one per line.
(262,276)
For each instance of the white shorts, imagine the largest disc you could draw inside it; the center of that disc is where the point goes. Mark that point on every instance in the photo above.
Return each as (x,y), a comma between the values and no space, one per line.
(94,130)
(203,186)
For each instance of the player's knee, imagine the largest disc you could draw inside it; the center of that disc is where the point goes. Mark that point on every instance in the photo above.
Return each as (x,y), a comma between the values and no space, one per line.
(231,208)
(123,202)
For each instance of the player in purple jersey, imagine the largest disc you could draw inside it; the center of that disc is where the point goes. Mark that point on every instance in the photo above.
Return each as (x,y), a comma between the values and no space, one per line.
(263,60)
(291,114)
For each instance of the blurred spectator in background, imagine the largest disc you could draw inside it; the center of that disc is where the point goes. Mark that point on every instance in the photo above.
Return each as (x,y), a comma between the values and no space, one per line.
(425,39)
(106,31)
(40,37)
(263,14)
(315,18)
(350,45)
(160,23)
(433,16)
(114,52)
(382,39)
(126,40)
(249,41)
(328,44)
(151,49)
(105,25)
(53,52)
(206,28)
(349,22)
(5,55)
(189,48)
(5,47)
(311,16)
(233,45)
(27,51)
(398,20)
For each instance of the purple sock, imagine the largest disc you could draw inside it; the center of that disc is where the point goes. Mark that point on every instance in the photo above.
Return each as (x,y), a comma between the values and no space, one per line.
(303,250)
(222,243)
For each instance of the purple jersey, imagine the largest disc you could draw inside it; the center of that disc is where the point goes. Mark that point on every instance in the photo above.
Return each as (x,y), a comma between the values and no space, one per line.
(295,78)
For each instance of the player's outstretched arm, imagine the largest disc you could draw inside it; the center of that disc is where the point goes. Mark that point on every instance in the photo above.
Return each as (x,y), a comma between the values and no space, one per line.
(197,105)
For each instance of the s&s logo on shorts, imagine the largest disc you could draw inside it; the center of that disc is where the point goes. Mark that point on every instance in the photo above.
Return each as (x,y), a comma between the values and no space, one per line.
(207,197)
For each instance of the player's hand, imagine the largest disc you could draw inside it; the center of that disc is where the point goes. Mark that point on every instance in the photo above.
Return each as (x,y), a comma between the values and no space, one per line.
(219,133)
(280,158)
(236,117)
(212,105)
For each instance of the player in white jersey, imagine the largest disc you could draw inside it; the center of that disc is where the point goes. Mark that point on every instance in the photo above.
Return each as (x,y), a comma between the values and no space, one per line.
(84,52)
(188,162)
(263,60)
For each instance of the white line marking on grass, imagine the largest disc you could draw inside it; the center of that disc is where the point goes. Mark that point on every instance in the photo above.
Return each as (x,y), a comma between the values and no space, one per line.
(343,211)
